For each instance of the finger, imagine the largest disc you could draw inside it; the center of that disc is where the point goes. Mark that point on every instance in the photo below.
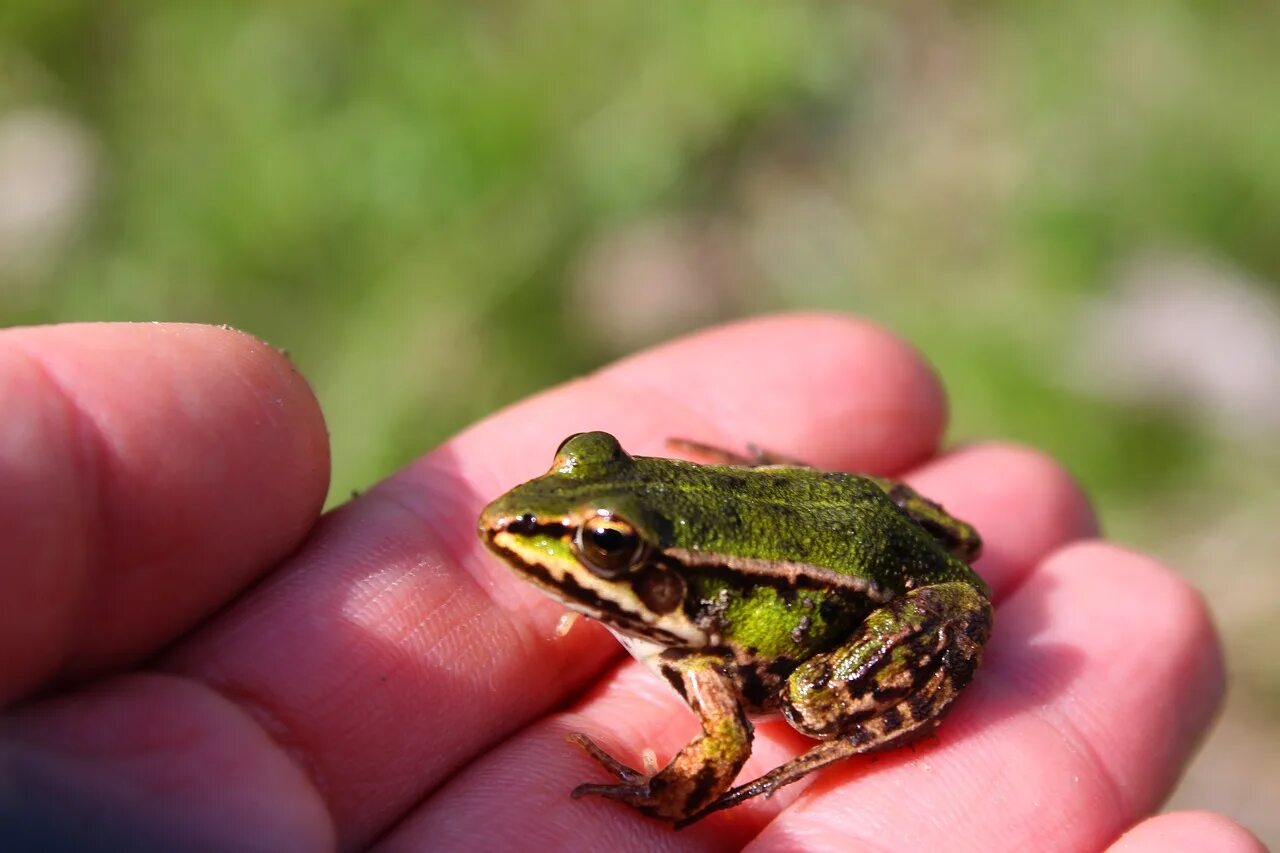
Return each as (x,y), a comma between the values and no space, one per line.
(133,763)
(883,409)
(1022,502)
(1026,508)
(1102,675)
(394,648)
(149,472)
(1192,832)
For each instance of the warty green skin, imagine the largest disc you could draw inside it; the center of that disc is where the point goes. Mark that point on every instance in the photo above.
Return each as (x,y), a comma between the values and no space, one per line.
(829,596)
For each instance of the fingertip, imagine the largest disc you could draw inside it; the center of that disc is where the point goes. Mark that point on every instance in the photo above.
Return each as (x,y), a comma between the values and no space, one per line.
(151,470)
(1153,622)
(1198,831)
(832,389)
(1121,653)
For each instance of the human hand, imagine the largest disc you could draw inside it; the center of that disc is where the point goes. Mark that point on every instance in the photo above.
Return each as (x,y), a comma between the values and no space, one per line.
(388,680)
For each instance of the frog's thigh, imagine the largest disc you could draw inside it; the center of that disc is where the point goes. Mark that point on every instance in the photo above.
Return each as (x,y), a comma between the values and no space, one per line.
(892,682)
(899,673)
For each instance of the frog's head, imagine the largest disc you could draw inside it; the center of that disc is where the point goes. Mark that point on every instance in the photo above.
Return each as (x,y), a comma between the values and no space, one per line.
(583,534)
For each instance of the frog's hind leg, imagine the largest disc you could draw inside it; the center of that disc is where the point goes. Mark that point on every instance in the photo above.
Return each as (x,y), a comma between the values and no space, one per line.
(889,685)
(706,766)
(755,457)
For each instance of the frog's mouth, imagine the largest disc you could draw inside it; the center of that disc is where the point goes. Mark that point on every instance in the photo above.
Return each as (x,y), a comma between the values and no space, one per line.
(542,553)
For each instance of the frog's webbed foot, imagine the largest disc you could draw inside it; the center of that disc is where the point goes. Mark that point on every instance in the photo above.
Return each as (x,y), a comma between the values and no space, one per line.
(756,456)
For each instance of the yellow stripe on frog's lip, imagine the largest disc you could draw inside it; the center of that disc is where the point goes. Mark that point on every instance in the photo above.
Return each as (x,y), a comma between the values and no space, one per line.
(612,602)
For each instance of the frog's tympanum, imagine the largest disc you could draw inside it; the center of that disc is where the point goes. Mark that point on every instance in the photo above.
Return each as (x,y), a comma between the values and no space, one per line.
(846,603)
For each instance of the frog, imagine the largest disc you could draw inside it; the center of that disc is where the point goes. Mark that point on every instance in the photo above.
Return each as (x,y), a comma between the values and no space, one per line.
(755,586)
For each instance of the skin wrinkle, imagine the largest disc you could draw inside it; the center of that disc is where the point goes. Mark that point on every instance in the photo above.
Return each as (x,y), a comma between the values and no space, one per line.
(273,725)
(91,452)
(415,502)
(269,717)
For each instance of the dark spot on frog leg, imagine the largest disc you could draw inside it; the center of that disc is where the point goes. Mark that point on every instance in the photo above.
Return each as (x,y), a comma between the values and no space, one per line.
(702,790)
(861,735)
(959,667)
(920,705)
(883,693)
(752,686)
(891,719)
(673,677)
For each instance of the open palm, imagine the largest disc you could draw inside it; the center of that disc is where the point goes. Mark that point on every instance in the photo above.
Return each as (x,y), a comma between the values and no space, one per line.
(193,658)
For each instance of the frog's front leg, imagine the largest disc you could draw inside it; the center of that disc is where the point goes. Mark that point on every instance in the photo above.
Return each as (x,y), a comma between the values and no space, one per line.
(892,682)
(705,767)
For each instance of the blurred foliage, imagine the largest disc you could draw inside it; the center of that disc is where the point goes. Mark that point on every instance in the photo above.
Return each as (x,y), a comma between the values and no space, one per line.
(401,196)
(434,207)
(394,195)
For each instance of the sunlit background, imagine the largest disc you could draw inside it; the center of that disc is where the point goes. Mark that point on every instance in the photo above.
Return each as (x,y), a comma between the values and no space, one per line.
(1072,208)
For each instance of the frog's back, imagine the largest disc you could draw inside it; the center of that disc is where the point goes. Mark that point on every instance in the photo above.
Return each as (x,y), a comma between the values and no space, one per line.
(833,520)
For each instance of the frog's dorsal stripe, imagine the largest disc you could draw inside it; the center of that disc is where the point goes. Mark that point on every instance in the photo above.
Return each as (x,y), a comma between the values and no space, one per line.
(795,575)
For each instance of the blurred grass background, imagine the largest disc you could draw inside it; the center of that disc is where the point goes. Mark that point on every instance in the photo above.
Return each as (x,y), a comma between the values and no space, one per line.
(1073,209)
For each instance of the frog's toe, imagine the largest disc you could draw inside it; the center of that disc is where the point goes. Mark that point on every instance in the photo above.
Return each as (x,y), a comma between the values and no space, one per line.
(633,793)
(630,777)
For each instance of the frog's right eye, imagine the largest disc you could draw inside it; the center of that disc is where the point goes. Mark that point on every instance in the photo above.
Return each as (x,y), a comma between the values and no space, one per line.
(609,546)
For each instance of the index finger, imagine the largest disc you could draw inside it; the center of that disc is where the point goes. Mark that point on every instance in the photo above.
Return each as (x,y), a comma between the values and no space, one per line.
(148,472)
(394,649)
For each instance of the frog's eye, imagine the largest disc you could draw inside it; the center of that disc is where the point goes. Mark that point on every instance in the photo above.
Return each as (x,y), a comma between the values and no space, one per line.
(566,441)
(608,545)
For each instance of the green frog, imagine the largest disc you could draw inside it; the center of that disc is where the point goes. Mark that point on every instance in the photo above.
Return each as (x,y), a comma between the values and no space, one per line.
(754,586)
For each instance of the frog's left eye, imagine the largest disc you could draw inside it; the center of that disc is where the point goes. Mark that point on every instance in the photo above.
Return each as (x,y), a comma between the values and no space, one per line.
(608,545)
